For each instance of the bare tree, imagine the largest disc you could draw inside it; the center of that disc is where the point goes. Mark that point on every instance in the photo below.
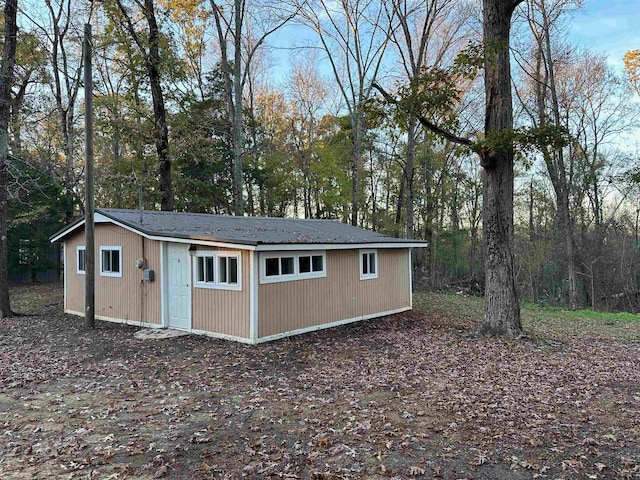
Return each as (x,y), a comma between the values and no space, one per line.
(308,93)
(148,44)
(354,35)
(544,18)
(66,69)
(428,33)
(6,83)
(240,33)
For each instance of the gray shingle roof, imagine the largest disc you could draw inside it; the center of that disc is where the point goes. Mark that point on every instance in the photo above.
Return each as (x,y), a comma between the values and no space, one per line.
(246,230)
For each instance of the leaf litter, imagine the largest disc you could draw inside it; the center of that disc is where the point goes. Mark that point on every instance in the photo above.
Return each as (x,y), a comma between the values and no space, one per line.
(412,395)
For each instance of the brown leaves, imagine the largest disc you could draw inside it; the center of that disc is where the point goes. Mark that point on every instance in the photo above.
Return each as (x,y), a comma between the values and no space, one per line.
(406,396)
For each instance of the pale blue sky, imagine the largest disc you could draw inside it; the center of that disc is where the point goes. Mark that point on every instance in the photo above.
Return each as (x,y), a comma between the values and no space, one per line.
(608,26)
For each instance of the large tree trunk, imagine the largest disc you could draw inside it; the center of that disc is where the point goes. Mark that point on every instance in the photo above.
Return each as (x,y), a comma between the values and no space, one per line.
(6,82)
(159,111)
(501,306)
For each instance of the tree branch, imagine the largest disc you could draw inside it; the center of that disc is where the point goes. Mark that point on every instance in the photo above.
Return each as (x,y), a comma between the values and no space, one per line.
(426,123)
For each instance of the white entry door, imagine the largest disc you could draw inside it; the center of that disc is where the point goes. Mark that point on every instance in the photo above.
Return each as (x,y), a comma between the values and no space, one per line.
(179,283)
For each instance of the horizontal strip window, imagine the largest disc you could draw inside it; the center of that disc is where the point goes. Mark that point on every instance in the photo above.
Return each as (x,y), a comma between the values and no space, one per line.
(220,270)
(289,266)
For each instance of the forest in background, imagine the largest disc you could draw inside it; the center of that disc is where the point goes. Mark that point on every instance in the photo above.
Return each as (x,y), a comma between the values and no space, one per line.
(194,109)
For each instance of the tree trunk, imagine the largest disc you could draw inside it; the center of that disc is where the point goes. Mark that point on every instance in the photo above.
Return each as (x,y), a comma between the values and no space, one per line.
(408,174)
(501,305)
(159,111)
(356,161)
(6,82)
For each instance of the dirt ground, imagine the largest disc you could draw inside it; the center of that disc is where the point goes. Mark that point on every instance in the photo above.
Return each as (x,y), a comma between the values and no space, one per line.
(408,396)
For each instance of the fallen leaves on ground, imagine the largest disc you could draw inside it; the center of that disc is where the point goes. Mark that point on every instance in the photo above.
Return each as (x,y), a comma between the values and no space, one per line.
(407,396)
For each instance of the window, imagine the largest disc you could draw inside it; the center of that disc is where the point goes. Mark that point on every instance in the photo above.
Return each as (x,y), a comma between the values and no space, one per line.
(368,264)
(279,266)
(310,264)
(111,261)
(80,260)
(218,270)
(26,252)
(228,268)
(283,267)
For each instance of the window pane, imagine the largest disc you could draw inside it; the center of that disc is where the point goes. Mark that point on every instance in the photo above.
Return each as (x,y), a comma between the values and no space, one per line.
(81,260)
(272,267)
(222,270)
(200,269)
(233,270)
(317,263)
(208,269)
(106,261)
(365,264)
(372,263)
(115,261)
(287,265)
(305,264)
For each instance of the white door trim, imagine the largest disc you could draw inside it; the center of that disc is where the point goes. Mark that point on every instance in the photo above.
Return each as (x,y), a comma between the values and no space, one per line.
(186,263)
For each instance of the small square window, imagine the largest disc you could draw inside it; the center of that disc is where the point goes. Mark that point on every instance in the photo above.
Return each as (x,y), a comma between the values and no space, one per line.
(305,264)
(111,261)
(272,267)
(228,270)
(368,264)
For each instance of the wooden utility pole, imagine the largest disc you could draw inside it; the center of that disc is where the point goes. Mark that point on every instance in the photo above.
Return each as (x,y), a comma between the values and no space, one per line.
(90,271)
(6,82)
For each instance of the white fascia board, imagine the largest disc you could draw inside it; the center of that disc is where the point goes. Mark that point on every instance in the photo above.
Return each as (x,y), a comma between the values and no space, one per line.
(206,243)
(334,246)
(99,218)
(65,232)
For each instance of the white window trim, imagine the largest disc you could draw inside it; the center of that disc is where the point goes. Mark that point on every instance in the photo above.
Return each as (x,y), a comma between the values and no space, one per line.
(111,274)
(296,275)
(81,248)
(216,284)
(368,276)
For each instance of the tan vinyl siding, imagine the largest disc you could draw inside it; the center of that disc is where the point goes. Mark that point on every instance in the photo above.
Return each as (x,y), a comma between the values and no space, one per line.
(126,297)
(341,295)
(223,311)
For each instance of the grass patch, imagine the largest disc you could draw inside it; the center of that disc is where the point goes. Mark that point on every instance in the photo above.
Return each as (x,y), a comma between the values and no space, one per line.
(33,298)
(537,319)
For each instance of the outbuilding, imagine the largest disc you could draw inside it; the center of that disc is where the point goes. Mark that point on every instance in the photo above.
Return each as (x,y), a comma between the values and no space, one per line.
(248,279)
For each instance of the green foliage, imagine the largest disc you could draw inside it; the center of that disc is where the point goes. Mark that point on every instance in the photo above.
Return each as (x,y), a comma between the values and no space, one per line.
(525,139)
(469,61)
(201,151)
(36,211)
(452,244)
(331,171)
